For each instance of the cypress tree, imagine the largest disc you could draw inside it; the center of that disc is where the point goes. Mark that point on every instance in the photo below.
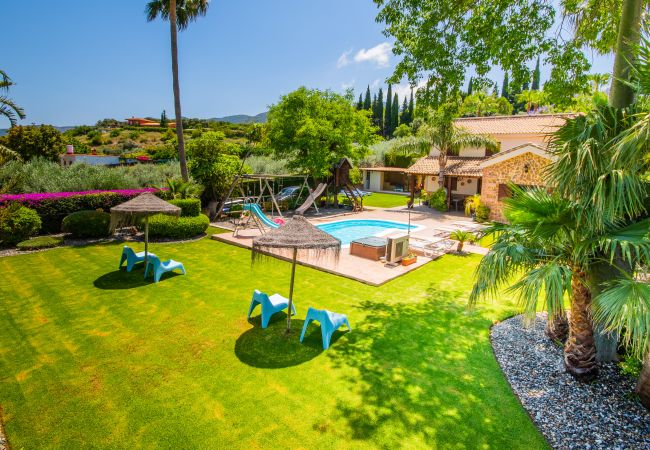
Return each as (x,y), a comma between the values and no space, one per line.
(504,86)
(389,126)
(536,77)
(470,86)
(163,119)
(374,109)
(367,102)
(360,104)
(394,116)
(495,91)
(405,112)
(380,111)
(411,109)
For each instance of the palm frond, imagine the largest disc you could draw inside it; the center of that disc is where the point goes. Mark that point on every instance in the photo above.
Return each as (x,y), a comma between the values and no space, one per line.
(10,110)
(186,11)
(542,213)
(624,308)
(553,278)
(631,242)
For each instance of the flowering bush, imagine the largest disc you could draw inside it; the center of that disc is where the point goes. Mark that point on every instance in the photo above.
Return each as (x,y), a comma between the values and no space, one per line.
(53,207)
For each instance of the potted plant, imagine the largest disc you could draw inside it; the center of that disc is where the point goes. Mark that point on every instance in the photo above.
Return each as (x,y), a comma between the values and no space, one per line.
(409,259)
(472,203)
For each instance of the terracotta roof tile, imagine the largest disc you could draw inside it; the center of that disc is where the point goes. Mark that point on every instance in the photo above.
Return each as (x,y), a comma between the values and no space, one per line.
(521,124)
(456,166)
(384,169)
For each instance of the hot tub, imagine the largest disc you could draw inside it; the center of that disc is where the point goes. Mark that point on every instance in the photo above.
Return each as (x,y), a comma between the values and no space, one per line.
(369,247)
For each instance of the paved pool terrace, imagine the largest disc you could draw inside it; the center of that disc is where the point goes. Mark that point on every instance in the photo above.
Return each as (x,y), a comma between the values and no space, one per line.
(360,269)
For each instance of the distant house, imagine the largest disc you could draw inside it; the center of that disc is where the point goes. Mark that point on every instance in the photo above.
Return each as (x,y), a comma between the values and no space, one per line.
(521,159)
(140,122)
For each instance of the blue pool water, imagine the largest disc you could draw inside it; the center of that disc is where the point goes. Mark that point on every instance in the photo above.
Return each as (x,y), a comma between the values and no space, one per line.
(349,230)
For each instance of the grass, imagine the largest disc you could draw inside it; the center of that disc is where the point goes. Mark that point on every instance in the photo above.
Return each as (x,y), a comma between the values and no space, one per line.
(40,242)
(382,200)
(93,357)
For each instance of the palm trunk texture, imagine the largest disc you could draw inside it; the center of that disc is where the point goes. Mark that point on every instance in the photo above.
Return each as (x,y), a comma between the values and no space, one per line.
(629,36)
(580,347)
(643,385)
(177,90)
(557,328)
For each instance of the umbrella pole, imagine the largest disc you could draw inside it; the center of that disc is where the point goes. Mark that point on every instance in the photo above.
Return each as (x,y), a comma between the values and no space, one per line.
(293,275)
(146,240)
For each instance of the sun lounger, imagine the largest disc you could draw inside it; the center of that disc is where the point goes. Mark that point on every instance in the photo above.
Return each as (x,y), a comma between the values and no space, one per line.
(158,267)
(329,323)
(131,258)
(270,305)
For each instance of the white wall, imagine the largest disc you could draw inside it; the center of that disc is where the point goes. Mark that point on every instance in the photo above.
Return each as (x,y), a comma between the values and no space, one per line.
(431,183)
(466,186)
(376,181)
(514,140)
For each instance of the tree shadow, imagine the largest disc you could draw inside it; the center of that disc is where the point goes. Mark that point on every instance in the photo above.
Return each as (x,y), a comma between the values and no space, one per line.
(121,279)
(271,348)
(422,370)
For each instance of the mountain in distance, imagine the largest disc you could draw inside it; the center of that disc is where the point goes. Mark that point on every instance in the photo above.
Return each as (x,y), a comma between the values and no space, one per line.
(241,118)
(4,131)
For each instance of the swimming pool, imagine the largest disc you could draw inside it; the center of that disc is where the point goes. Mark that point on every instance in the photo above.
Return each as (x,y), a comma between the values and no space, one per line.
(349,230)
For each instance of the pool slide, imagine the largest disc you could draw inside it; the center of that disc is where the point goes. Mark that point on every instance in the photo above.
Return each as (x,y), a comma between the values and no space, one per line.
(257,211)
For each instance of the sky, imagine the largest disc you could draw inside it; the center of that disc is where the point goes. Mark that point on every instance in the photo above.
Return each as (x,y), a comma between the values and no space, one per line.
(79,61)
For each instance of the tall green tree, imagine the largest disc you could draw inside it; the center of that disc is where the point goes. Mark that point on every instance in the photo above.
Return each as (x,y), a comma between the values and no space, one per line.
(505,88)
(8,108)
(404,117)
(179,13)
(367,102)
(360,103)
(537,74)
(394,113)
(163,119)
(313,129)
(389,125)
(380,111)
(470,86)
(411,108)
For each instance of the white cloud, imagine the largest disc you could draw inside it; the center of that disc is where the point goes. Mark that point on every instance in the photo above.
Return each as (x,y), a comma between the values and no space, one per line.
(344,59)
(404,90)
(375,84)
(379,54)
(347,85)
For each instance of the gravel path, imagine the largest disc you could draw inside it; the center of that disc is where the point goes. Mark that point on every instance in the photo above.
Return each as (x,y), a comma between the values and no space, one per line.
(570,414)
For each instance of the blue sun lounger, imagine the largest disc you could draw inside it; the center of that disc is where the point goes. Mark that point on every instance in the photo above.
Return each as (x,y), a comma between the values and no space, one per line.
(131,258)
(270,305)
(158,267)
(329,323)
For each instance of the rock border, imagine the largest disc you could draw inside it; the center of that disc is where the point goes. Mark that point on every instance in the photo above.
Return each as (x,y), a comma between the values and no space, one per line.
(598,415)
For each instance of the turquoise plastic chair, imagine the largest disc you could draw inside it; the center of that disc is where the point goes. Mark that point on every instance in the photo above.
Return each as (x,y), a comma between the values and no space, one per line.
(158,268)
(329,323)
(270,305)
(131,258)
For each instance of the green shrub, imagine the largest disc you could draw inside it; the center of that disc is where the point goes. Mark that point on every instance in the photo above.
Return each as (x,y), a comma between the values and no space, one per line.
(438,200)
(630,366)
(17,223)
(482,213)
(87,224)
(40,242)
(190,207)
(161,226)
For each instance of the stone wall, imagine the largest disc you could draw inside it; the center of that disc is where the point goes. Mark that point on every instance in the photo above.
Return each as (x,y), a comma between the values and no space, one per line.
(525,170)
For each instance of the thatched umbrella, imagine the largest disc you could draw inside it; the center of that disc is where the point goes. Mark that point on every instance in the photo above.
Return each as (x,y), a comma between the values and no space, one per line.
(296,235)
(144,205)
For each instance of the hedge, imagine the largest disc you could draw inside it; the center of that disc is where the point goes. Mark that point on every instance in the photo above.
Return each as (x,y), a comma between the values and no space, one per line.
(53,207)
(190,207)
(162,226)
(17,223)
(87,224)
(40,242)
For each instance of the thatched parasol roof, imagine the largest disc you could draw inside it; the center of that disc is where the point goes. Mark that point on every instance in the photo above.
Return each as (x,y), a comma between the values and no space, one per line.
(298,233)
(145,204)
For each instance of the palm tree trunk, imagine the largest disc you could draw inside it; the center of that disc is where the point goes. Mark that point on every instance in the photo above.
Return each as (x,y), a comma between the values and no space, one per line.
(621,95)
(643,385)
(557,327)
(580,347)
(177,90)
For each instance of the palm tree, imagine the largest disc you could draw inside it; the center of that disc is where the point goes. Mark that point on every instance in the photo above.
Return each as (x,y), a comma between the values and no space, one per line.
(179,13)
(599,80)
(443,135)
(547,244)
(462,237)
(532,99)
(8,108)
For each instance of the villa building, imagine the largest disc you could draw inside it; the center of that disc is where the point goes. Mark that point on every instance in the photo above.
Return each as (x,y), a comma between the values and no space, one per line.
(521,158)
(140,122)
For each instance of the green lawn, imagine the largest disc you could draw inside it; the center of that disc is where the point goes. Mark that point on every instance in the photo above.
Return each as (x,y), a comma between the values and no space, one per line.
(94,357)
(382,200)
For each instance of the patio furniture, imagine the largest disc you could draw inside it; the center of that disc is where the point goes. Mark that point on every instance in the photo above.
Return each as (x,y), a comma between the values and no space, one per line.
(158,267)
(131,258)
(369,247)
(329,323)
(425,247)
(270,305)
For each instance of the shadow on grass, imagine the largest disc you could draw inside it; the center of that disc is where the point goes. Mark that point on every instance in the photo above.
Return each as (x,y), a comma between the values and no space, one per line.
(423,371)
(271,348)
(121,279)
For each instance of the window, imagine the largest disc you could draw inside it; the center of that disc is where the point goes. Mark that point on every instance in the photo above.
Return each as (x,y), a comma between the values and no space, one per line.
(504,192)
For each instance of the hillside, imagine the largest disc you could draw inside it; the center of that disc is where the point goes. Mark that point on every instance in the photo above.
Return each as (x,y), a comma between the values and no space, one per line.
(241,118)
